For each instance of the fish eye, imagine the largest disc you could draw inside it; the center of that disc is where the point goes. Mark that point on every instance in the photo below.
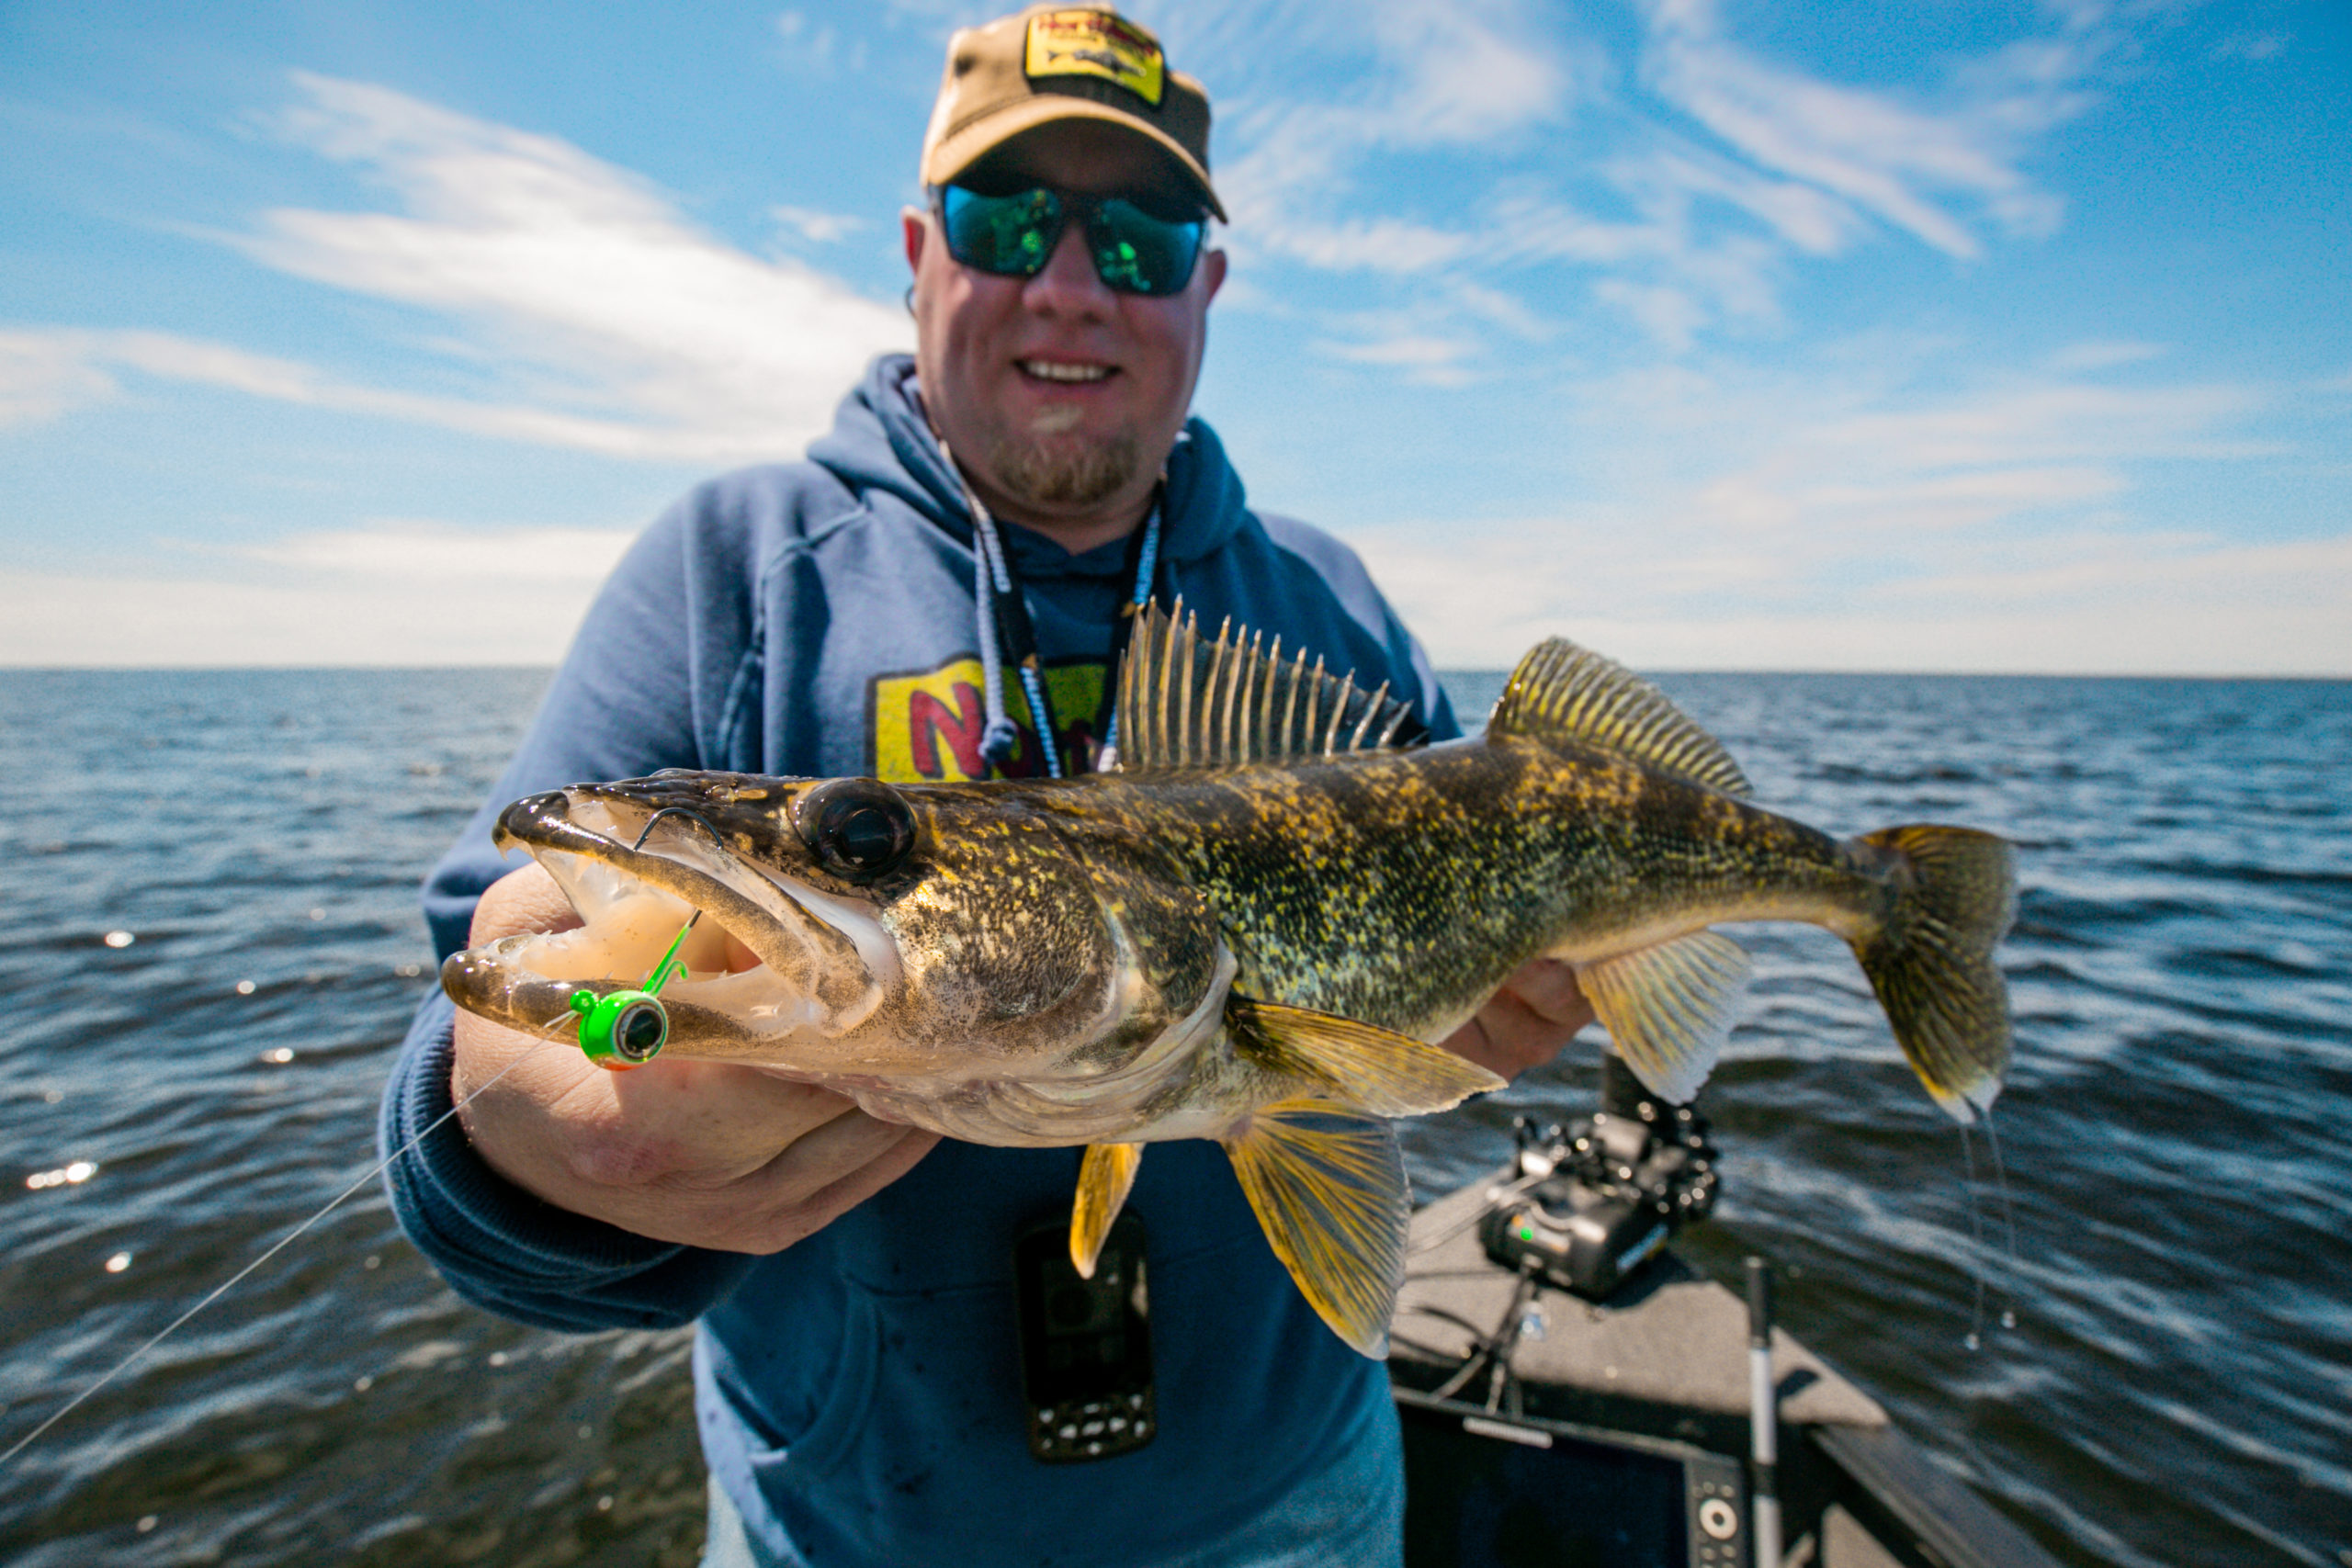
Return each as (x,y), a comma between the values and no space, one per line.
(857,829)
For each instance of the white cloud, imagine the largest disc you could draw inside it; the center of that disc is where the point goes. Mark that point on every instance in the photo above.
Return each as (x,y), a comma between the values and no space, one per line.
(71,368)
(2201,608)
(1423,357)
(1908,165)
(1800,523)
(45,373)
(613,325)
(631,330)
(395,592)
(1421,74)
(1687,178)
(821,228)
(439,552)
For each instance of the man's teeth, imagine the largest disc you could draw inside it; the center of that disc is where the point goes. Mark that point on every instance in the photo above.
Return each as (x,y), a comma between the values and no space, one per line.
(1049,370)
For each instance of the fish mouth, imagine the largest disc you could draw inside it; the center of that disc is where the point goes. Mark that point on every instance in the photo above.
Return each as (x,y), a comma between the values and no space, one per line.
(772,960)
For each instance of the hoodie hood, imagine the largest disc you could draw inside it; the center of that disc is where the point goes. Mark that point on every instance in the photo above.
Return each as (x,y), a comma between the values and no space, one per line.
(880,441)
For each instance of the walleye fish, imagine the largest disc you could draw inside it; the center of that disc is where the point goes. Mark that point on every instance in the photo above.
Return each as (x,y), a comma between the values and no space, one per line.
(1253,930)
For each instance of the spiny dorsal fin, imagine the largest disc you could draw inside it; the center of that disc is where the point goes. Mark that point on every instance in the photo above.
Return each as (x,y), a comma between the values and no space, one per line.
(1186,701)
(1561,691)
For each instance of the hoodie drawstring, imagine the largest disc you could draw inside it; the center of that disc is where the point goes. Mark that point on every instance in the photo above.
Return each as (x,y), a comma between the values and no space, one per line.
(995,599)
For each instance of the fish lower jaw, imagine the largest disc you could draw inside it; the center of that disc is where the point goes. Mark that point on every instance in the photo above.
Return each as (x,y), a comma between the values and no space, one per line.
(756,1001)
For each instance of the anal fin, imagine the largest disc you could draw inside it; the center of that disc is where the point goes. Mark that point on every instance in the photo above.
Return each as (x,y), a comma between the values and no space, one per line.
(1377,1069)
(1104,1179)
(1328,1183)
(1668,1009)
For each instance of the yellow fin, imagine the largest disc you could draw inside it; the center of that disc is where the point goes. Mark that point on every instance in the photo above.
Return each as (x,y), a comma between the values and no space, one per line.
(1668,1009)
(1931,960)
(1103,1177)
(1329,1186)
(1561,691)
(1373,1069)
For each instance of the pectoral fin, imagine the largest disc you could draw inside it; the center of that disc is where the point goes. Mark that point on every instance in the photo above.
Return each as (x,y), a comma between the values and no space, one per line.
(1329,1186)
(1377,1069)
(1103,1177)
(1668,1009)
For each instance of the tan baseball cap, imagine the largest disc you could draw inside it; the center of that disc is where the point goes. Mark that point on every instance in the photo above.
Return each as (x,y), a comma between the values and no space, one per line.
(1063,62)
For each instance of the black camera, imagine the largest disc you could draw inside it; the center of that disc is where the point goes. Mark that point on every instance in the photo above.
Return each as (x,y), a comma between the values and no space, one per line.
(1595,1200)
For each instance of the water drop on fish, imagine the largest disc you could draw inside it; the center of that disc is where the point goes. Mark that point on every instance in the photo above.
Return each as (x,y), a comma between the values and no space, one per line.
(117,1263)
(318,914)
(1972,1341)
(120,938)
(146,1523)
(53,1096)
(362,1384)
(605,1503)
(245,988)
(2009,1320)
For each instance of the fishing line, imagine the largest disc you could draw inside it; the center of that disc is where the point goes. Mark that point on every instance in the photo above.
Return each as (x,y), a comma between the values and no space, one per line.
(1976,1231)
(232,1283)
(2008,1219)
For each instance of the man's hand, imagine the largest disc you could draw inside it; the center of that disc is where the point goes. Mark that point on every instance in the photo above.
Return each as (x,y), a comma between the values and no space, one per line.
(710,1153)
(1524,1024)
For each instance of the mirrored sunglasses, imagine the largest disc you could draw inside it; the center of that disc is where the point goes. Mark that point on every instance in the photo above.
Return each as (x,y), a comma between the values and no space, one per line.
(1136,251)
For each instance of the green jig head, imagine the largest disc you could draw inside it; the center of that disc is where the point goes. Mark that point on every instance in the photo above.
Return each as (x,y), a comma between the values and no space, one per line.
(627,1029)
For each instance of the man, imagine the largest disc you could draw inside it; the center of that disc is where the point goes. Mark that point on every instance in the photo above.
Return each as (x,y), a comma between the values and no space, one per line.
(857,1370)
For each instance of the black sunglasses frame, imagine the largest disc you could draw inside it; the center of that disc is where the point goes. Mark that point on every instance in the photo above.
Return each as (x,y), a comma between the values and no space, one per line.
(1100,237)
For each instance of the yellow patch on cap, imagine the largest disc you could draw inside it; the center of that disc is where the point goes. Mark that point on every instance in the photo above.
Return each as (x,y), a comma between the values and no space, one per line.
(1095,43)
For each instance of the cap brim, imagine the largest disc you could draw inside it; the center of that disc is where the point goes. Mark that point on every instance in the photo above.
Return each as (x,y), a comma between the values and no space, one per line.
(957,152)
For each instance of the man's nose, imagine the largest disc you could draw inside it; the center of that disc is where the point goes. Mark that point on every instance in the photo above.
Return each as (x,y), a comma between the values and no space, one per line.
(1068,285)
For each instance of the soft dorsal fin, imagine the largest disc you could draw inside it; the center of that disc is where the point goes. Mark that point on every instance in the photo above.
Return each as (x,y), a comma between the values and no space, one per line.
(1561,691)
(1187,701)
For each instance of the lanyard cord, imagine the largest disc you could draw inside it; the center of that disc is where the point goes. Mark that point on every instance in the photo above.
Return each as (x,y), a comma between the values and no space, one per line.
(1001,610)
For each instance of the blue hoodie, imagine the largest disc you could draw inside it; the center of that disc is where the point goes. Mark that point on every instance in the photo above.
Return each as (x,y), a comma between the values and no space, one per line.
(859,1394)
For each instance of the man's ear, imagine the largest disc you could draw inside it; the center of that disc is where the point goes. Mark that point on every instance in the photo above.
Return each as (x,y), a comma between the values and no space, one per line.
(1213,267)
(914,227)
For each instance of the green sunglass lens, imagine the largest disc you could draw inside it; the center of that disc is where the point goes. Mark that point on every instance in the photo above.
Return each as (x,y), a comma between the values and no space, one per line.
(1135,252)
(1012,236)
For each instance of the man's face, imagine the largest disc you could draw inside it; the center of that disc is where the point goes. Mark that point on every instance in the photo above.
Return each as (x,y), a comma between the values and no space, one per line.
(1059,397)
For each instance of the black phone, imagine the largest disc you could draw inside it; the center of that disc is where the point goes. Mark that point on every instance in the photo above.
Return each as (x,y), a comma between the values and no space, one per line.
(1085,1344)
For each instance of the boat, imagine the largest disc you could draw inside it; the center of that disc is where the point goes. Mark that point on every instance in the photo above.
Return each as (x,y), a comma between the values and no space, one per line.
(1574,1394)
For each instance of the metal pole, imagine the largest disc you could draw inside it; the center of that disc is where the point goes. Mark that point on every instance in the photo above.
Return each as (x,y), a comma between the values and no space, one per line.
(1763,1416)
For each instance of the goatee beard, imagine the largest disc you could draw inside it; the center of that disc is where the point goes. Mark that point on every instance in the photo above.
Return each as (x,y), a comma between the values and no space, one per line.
(1042,472)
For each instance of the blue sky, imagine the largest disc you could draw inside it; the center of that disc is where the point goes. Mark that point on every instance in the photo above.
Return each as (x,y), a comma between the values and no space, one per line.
(1947,335)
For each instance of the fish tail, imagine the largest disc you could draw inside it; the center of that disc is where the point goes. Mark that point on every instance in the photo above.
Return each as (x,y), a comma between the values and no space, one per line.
(1952,893)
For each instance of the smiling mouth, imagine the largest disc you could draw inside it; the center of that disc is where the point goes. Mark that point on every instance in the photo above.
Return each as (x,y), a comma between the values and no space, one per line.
(1066,374)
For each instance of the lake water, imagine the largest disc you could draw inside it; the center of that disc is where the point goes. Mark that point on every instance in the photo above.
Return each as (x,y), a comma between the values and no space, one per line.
(2176,1387)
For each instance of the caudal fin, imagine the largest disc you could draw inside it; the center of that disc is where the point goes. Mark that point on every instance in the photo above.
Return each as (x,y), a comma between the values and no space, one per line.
(1953,893)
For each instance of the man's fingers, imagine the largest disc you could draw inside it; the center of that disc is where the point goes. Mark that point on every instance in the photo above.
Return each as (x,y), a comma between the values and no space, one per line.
(824,1176)
(1548,989)
(528,899)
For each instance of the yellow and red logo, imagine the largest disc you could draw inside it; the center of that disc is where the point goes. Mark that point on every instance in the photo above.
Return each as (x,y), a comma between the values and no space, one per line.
(927,727)
(1095,43)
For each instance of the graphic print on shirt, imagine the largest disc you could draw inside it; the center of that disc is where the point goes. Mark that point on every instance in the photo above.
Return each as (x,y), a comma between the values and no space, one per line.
(926,727)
